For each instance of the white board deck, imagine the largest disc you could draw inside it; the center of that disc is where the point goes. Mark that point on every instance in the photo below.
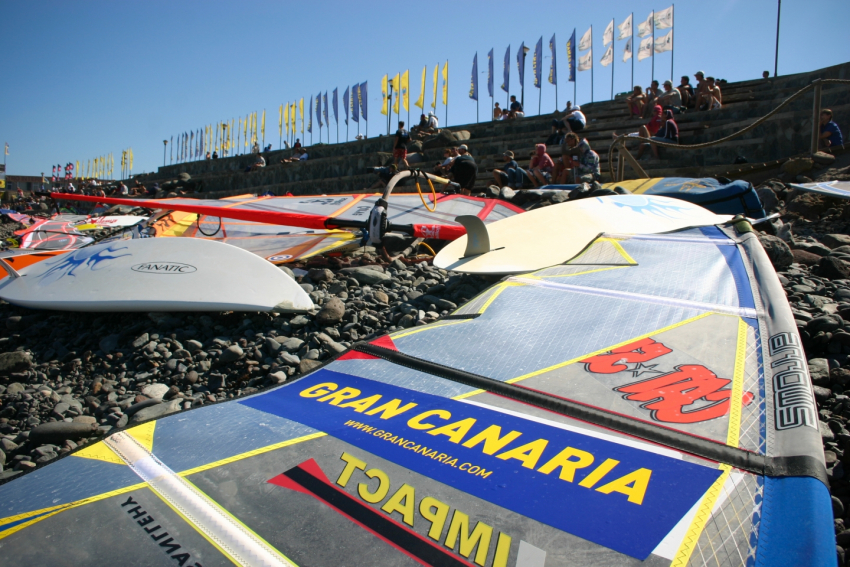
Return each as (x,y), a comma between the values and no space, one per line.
(839,189)
(555,234)
(156,274)
(109,222)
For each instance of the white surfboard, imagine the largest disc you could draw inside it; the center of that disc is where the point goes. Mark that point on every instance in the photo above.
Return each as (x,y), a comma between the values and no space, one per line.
(555,234)
(116,221)
(155,274)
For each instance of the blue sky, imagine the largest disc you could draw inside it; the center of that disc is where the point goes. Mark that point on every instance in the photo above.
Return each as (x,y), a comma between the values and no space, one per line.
(82,79)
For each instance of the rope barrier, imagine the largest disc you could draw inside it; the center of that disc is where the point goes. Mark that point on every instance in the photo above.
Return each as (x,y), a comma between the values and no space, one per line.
(619,141)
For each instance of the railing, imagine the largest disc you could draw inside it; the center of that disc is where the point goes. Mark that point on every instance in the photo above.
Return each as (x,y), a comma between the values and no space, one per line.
(623,154)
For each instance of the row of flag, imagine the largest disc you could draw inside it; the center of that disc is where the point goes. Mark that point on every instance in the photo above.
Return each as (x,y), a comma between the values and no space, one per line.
(400,84)
(101,167)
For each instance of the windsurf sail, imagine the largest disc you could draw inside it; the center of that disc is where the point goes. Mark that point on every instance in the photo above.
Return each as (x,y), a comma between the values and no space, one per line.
(56,233)
(648,401)
(405,212)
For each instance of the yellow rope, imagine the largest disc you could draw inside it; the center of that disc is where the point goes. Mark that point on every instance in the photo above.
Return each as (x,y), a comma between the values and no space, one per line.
(429,248)
(433,193)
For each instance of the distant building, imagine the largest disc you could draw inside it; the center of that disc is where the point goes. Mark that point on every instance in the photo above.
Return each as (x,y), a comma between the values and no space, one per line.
(26,182)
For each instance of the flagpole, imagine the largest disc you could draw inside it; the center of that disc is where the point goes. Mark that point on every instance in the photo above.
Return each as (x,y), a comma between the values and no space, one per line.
(672,37)
(776,56)
(632,26)
(613,57)
(591,63)
(653,45)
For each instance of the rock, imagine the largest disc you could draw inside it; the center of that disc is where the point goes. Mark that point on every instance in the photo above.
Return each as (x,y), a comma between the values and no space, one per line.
(286,270)
(7,445)
(823,158)
(492,192)
(461,135)
(366,275)
(193,346)
(306,287)
(230,354)
(825,432)
(443,139)
(135,408)
(192,377)
(821,394)
(835,240)
(140,341)
(819,371)
(85,419)
(299,321)
(292,344)
(155,391)
(777,250)
(272,345)
(278,377)
(805,258)
(381,297)
(156,411)
(796,166)
(768,198)
(289,358)
(807,205)
(108,343)
(57,432)
(320,275)
(507,193)
(332,311)
(15,361)
(14,389)
(217,382)
(833,268)
(307,365)
(414,147)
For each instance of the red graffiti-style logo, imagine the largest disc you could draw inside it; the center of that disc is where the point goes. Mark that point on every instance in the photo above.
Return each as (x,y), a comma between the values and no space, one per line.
(619,358)
(668,396)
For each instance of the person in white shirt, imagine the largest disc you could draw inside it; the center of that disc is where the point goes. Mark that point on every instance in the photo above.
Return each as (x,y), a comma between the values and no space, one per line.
(576,120)
(433,123)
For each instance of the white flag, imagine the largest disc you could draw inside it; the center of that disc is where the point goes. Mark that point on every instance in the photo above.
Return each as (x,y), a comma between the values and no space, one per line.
(627,52)
(608,34)
(625,28)
(664,43)
(664,19)
(586,40)
(585,62)
(645,49)
(645,27)
(608,58)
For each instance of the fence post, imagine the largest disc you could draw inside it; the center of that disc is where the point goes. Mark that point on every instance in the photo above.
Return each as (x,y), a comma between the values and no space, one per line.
(816,116)
(621,166)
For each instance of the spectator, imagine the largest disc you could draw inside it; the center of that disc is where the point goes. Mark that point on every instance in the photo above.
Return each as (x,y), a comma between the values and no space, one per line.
(298,154)
(123,190)
(449,155)
(400,145)
(671,99)
(215,154)
(701,87)
(152,191)
(830,134)
(259,163)
(635,102)
(433,123)
(297,143)
(576,120)
(255,149)
(464,170)
(506,114)
(208,155)
(497,112)
(286,144)
(711,98)
(384,175)
(422,126)
(360,137)
(686,91)
(541,166)
(652,94)
(513,175)
(667,134)
(578,159)
(515,109)
(268,148)
(765,75)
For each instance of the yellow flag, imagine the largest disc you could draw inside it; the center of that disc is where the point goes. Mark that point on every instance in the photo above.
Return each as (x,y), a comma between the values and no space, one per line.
(384,95)
(421,102)
(285,118)
(263,127)
(446,83)
(301,114)
(78,170)
(292,117)
(254,128)
(280,122)
(245,131)
(397,92)
(436,81)
(131,159)
(405,90)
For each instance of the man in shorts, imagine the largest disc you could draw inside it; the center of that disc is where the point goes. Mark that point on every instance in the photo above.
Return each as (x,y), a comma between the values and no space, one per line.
(400,145)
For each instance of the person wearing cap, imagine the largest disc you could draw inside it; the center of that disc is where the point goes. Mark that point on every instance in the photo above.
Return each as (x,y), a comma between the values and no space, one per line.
(541,166)
(449,155)
(652,94)
(671,99)
(711,99)
(512,175)
(576,121)
(686,91)
(577,159)
(700,88)
(433,123)
(464,170)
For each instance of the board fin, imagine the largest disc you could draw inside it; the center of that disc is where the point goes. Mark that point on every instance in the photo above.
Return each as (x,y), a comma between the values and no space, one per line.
(477,238)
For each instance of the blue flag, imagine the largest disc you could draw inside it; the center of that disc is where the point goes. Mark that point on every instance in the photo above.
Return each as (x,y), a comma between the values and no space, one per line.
(310,115)
(537,63)
(490,73)
(473,87)
(364,94)
(355,103)
(344,103)
(571,56)
(319,110)
(325,110)
(520,64)
(553,69)
(506,78)
(336,107)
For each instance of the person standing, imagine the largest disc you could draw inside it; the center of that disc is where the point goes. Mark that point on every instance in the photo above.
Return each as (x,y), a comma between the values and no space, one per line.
(400,145)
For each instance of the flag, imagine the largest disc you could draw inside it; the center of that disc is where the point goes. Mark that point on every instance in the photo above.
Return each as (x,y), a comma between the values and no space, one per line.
(292,117)
(262,127)
(608,57)
(553,68)
(345,104)
(473,86)
(490,73)
(244,131)
(301,114)
(363,95)
(78,170)
(645,49)
(446,83)
(436,81)
(520,64)
(506,71)
(625,29)
(664,43)
(310,115)
(355,103)
(420,102)
(586,62)
(336,106)
(608,34)
(405,90)
(645,28)
(325,109)
(627,52)
(537,63)
(571,56)
(7,148)
(384,87)
(397,89)
(279,121)
(664,19)
(586,39)
(319,110)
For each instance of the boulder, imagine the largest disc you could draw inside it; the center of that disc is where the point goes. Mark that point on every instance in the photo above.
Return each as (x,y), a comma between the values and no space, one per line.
(807,205)
(442,140)
(320,275)
(835,240)
(805,258)
(461,135)
(833,268)
(823,158)
(56,432)
(777,250)
(332,311)
(156,411)
(15,361)
(768,199)
(819,371)
(796,166)
(367,275)
(507,193)
(415,157)
(414,147)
